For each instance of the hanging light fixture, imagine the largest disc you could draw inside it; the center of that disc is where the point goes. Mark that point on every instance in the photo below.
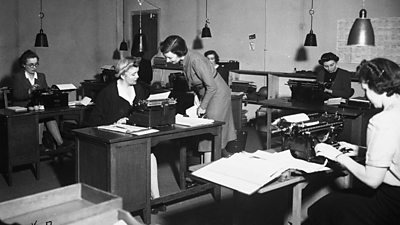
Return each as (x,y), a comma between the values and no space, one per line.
(206,33)
(41,38)
(311,38)
(139,44)
(123,46)
(362,33)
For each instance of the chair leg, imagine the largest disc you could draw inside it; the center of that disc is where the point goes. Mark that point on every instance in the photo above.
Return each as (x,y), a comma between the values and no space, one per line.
(37,170)
(9,175)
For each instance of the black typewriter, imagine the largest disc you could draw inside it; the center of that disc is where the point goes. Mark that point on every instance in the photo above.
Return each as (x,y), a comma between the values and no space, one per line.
(301,137)
(49,98)
(153,113)
(307,91)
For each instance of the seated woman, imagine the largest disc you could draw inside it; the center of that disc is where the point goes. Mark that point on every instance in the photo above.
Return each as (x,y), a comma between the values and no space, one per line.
(115,102)
(380,78)
(24,83)
(337,81)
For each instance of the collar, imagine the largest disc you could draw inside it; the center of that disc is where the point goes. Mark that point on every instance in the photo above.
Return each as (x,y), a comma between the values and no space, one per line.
(27,75)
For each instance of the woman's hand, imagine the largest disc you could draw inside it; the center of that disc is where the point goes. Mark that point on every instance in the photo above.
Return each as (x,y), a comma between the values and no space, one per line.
(328,90)
(122,120)
(327,151)
(349,148)
(201,112)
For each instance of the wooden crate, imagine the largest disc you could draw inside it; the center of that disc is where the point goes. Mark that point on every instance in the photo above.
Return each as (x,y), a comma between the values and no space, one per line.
(59,206)
(108,218)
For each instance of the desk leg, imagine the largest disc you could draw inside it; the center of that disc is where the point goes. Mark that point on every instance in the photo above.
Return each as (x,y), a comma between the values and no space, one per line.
(269,116)
(296,202)
(216,146)
(182,167)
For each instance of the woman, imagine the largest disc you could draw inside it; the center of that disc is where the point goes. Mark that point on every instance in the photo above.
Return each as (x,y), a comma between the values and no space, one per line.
(380,78)
(212,91)
(214,59)
(337,81)
(24,84)
(115,102)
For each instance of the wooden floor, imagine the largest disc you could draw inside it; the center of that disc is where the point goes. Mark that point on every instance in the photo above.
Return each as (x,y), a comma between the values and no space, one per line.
(201,210)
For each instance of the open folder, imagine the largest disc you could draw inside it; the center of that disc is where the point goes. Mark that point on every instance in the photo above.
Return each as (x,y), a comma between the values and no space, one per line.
(248,172)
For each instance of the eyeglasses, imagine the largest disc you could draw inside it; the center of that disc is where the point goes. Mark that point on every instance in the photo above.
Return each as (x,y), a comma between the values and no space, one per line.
(31,65)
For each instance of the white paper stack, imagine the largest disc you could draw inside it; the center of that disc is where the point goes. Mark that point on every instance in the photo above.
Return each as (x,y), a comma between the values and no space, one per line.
(191,121)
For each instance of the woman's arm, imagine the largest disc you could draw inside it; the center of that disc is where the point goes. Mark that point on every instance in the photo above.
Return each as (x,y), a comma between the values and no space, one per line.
(206,73)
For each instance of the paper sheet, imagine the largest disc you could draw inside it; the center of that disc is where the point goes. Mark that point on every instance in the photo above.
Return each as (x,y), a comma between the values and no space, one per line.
(295,118)
(191,121)
(248,172)
(159,96)
(127,129)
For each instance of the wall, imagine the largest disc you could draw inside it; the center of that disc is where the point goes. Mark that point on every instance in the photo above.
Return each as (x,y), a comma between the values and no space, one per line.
(83,33)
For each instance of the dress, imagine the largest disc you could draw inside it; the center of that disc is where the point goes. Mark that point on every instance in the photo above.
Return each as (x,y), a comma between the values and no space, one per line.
(110,107)
(341,85)
(212,90)
(382,206)
(21,85)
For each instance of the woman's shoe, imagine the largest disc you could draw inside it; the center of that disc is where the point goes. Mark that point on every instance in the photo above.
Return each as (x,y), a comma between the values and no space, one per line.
(159,208)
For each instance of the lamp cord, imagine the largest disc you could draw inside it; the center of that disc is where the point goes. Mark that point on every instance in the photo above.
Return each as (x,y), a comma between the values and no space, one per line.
(311,12)
(41,15)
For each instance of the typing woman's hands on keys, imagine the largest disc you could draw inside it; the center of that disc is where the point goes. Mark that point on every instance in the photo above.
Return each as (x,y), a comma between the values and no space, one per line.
(327,151)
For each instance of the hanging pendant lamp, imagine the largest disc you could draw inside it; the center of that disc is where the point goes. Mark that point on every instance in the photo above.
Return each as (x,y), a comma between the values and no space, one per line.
(123,46)
(362,33)
(311,38)
(139,44)
(206,32)
(41,37)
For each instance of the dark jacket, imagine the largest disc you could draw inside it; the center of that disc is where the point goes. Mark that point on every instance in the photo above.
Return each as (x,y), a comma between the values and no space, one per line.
(110,107)
(341,86)
(21,85)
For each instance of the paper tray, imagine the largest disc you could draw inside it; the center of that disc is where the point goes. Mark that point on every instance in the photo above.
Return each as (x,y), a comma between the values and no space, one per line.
(60,206)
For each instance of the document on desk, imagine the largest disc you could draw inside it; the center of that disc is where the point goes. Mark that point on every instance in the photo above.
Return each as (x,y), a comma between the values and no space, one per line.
(248,172)
(191,121)
(128,129)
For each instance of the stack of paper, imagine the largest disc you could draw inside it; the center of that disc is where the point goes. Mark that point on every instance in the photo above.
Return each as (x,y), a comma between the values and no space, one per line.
(127,129)
(191,121)
(248,172)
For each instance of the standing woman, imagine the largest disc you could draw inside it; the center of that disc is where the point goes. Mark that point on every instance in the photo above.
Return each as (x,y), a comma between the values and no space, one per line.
(380,78)
(206,82)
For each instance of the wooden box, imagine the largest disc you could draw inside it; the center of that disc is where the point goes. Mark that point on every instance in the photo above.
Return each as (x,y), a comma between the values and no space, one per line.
(108,218)
(59,206)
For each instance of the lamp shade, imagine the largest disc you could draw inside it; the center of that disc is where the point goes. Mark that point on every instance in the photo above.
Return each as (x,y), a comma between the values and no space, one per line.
(123,46)
(311,39)
(206,33)
(362,33)
(41,39)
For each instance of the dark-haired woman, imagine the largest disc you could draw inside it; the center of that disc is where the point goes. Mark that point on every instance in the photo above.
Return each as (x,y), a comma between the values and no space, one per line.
(24,83)
(380,78)
(213,92)
(337,81)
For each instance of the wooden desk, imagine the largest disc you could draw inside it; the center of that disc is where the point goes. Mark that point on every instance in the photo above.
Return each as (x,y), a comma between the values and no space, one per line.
(120,164)
(19,134)
(355,120)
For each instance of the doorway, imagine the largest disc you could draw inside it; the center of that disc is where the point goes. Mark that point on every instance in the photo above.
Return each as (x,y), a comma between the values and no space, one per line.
(149,29)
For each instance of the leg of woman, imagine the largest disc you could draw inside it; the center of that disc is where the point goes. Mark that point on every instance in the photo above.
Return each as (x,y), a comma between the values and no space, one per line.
(343,209)
(155,192)
(52,126)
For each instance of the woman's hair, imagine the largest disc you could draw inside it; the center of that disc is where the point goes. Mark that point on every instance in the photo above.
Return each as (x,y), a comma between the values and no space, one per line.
(212,52)
(125,64)
(381,75)
(28,54)
(328,57)
(174,44)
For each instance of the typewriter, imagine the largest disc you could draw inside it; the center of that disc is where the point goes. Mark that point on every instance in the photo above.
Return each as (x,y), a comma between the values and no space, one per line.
(301,137)
(50,98)
(307,91)
(153,113)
